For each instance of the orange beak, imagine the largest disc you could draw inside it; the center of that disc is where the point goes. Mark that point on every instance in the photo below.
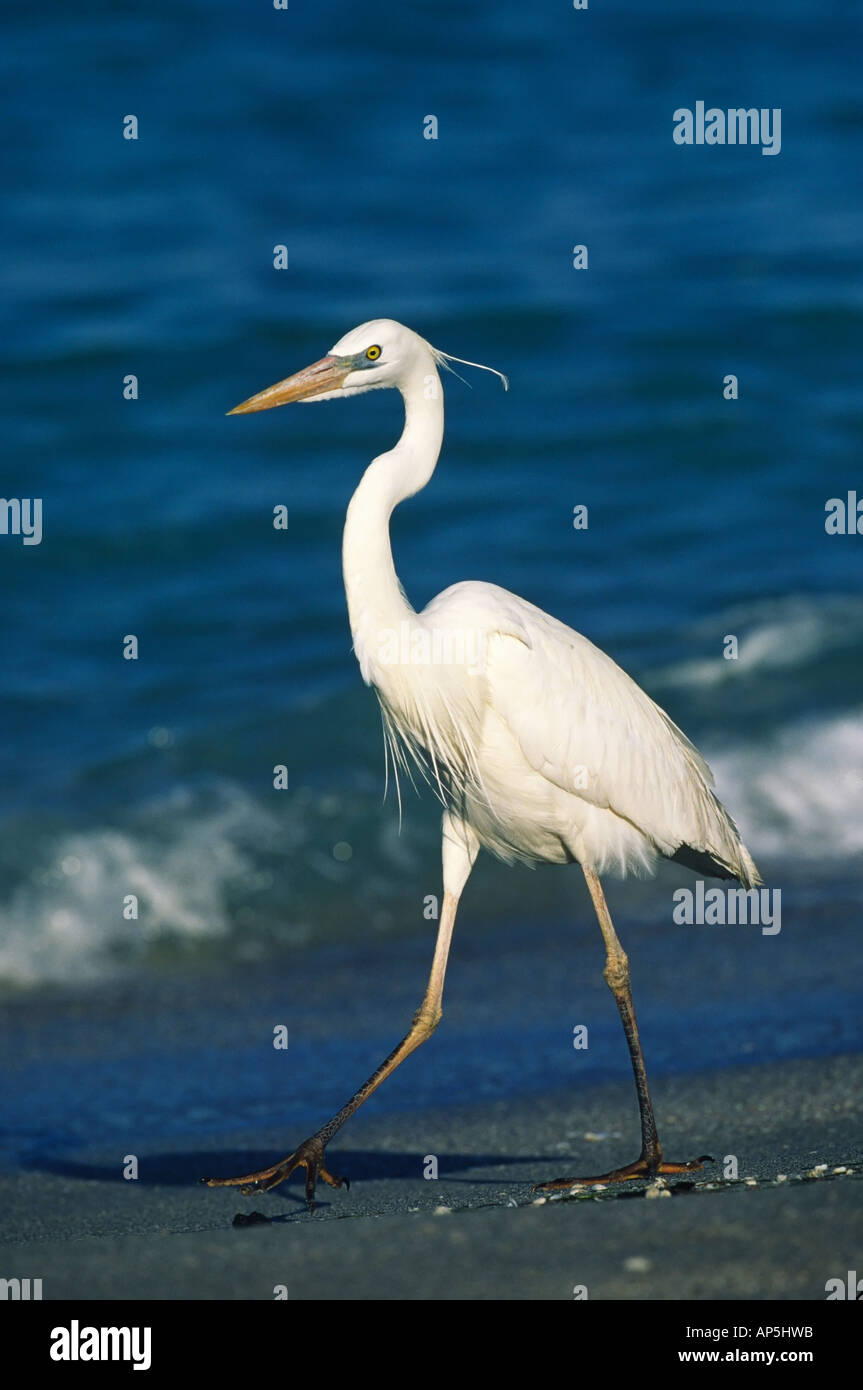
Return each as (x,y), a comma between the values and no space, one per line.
(325,375)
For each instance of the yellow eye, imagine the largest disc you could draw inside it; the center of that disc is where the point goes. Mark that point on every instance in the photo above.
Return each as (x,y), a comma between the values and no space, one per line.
(373,353)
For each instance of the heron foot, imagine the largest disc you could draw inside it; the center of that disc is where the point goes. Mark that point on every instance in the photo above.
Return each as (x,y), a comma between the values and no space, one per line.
(644,1168)
(310,1155)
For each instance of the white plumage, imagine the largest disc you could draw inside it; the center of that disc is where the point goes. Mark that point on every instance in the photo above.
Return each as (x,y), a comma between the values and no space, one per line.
(541,748)
(550,751)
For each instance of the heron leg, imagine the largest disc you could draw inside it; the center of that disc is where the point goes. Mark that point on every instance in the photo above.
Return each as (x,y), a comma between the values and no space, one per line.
(616,974)
(460,849)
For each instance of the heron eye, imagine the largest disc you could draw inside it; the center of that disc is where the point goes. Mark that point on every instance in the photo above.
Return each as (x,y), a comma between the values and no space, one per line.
(373,353)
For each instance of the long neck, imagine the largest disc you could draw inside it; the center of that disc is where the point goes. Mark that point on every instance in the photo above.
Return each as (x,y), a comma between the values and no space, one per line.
(376,603)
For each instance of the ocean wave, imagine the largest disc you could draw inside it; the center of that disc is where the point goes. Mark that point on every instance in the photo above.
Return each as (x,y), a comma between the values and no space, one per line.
(180,858)
(218,873)
(799,796)
(215,872)
(774,635)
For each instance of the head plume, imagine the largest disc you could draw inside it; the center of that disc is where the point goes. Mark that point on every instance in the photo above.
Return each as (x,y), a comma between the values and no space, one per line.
(443,359)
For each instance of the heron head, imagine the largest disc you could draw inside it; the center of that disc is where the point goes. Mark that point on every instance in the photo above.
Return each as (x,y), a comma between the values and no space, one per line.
(377,354)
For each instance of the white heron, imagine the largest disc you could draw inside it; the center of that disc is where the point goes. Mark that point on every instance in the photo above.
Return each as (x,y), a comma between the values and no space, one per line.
(541,748)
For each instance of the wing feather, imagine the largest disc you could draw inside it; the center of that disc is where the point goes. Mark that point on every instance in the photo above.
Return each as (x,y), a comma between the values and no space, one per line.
(586,726)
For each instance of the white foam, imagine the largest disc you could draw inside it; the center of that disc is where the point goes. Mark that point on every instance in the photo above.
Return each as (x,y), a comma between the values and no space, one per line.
(65,922)
(799,796)
(192,857)
(773,635)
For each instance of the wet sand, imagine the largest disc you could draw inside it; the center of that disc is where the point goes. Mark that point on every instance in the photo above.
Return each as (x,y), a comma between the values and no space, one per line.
(182,1075)
(475,1233)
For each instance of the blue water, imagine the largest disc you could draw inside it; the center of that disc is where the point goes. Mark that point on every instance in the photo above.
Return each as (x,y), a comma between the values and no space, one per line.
(154,257)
